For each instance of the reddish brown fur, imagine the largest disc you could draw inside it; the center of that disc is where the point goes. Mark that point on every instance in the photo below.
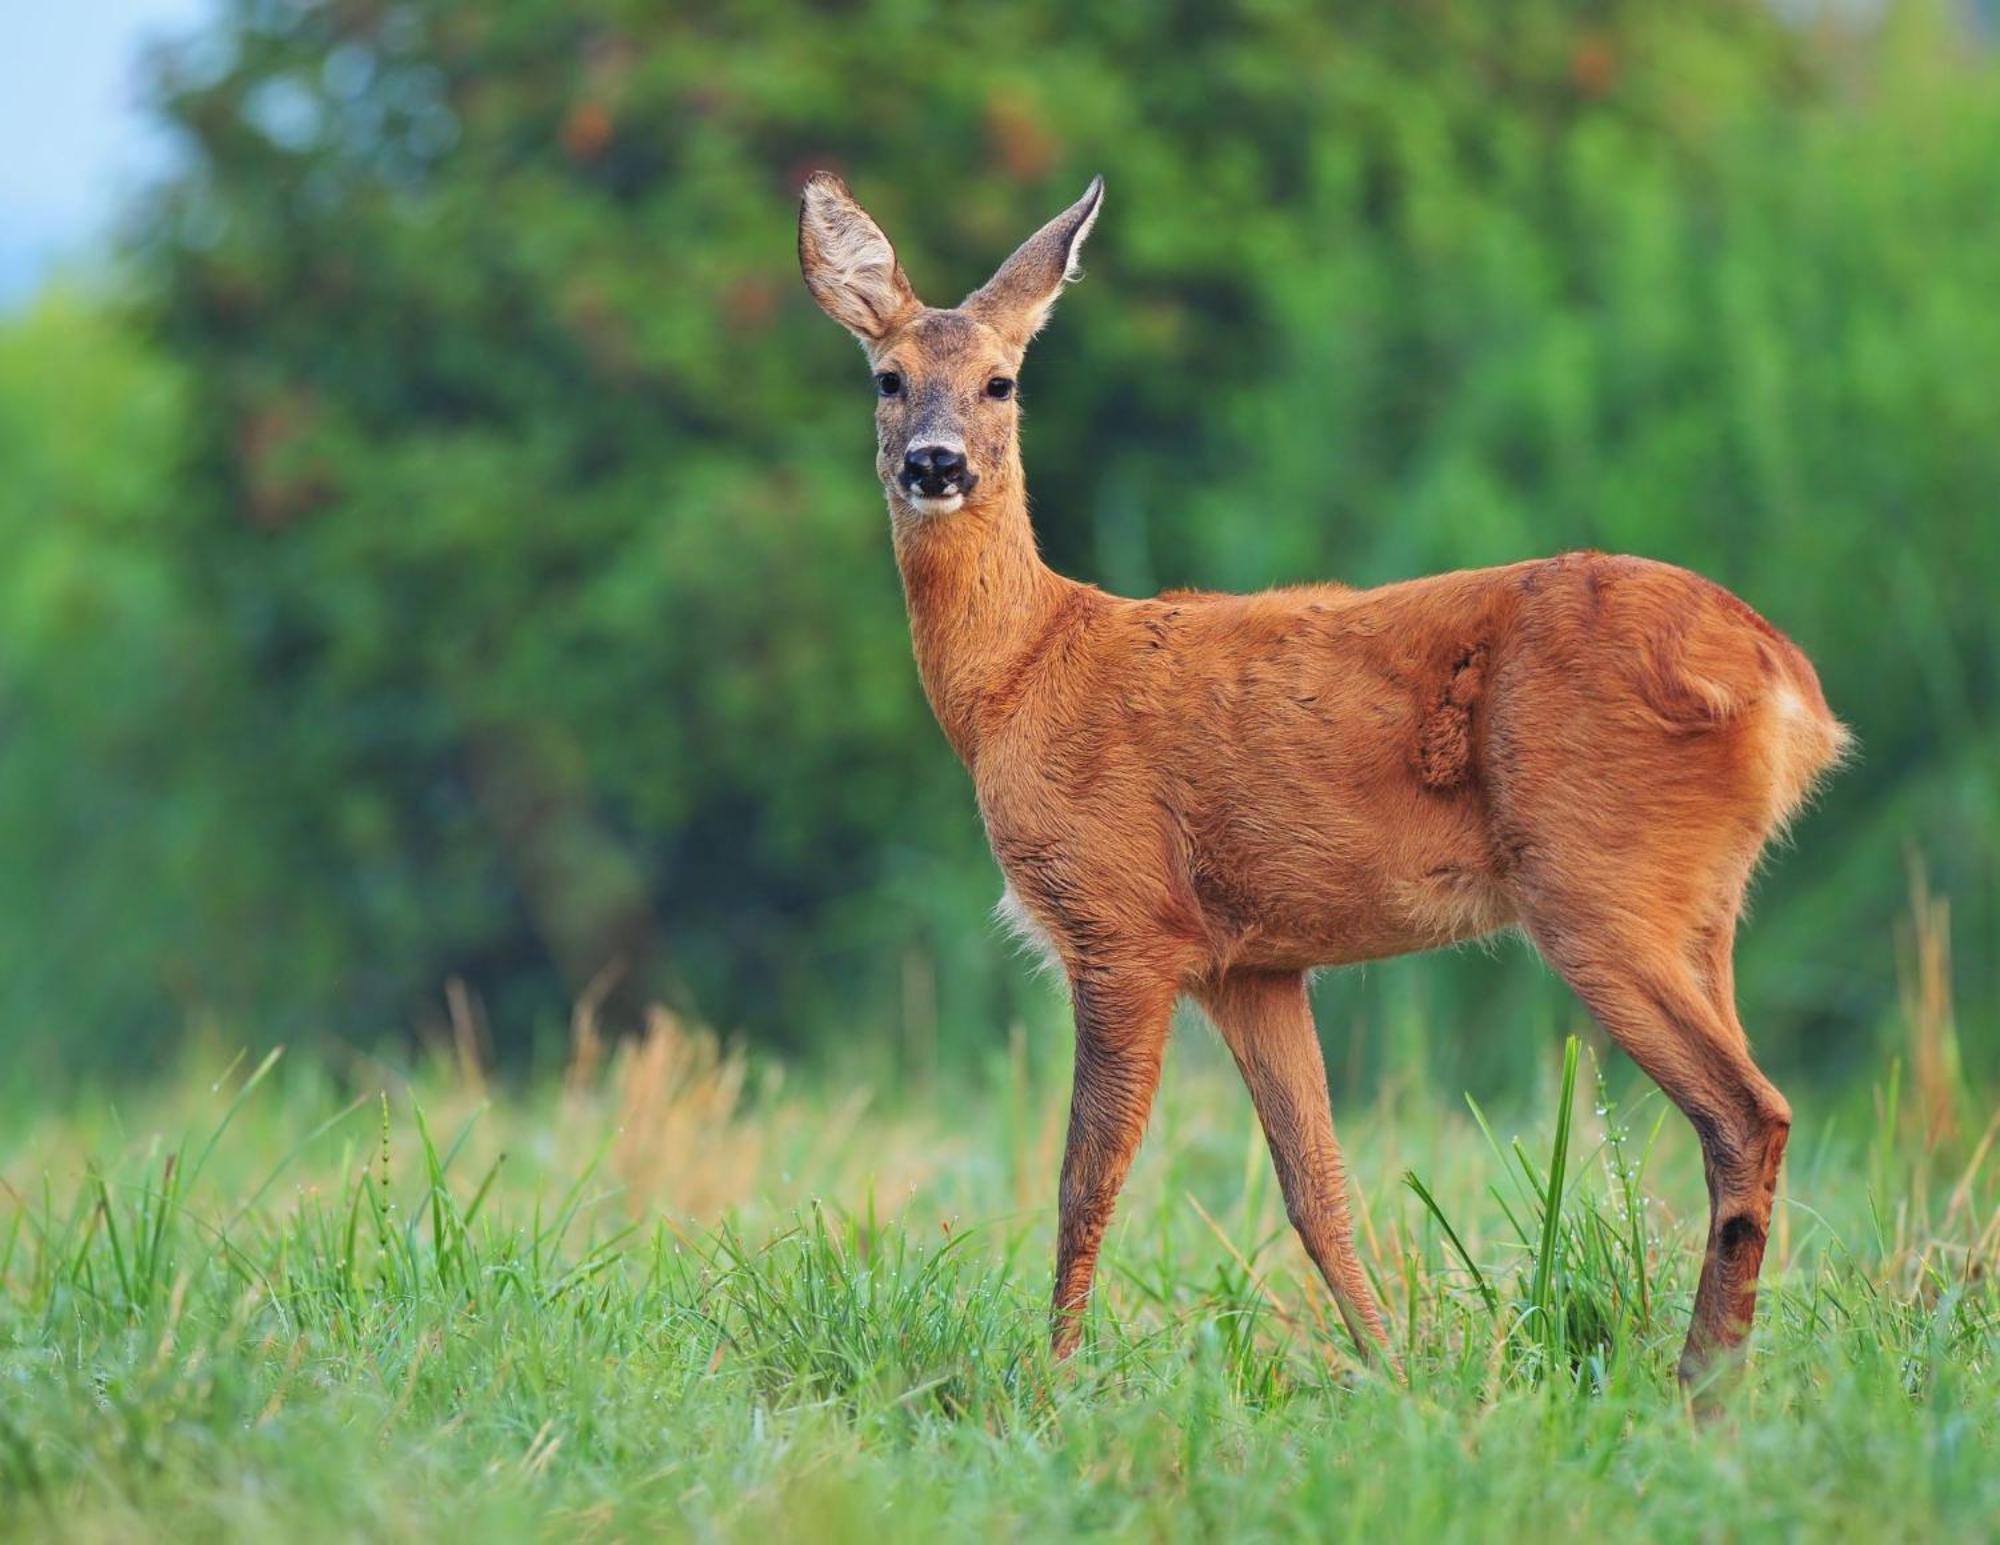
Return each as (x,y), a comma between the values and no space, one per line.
(1211,795)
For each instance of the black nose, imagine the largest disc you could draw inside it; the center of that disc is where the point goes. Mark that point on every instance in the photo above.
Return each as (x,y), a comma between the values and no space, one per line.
(932,469)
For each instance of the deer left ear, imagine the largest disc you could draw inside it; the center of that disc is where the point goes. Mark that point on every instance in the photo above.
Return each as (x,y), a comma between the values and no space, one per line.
(848,263)
(1017,300)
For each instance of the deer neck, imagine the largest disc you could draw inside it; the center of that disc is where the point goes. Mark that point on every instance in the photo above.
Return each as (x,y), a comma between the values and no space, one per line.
(979,596)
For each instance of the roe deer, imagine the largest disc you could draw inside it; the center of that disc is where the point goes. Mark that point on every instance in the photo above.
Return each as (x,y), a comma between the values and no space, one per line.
(1212,795)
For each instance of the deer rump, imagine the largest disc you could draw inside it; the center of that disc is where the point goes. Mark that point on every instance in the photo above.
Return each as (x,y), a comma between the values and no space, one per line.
(1344,775)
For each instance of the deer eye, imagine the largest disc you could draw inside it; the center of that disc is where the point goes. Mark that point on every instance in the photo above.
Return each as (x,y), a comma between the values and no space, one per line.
(888,383)
(1000,388)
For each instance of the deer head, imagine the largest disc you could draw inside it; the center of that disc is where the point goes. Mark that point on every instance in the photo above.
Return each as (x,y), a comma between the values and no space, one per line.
(947,417)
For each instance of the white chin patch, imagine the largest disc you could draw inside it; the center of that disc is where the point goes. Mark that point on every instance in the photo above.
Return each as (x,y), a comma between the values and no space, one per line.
(925,505)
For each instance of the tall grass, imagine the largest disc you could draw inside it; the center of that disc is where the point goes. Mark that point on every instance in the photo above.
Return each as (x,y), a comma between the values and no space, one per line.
(672,1293)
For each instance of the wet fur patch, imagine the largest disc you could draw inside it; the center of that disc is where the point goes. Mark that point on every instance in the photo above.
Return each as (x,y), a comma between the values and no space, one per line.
(1444,740)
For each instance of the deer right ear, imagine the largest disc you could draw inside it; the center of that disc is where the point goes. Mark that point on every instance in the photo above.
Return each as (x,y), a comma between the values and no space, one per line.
(849,265)
(1016,301)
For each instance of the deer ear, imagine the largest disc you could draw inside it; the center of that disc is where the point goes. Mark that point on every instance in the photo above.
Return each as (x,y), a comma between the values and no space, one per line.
(1016,301)
(849,265)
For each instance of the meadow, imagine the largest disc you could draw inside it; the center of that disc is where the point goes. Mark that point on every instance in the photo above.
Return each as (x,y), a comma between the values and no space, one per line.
(672,1291)
(439,546)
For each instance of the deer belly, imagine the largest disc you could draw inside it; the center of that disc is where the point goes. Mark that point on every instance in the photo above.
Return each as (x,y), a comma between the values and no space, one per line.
(1306,909)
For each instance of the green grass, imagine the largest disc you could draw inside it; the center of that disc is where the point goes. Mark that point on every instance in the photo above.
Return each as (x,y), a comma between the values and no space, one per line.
(674,1296)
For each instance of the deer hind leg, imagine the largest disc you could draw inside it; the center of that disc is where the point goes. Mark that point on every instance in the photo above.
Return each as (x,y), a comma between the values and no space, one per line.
(1266,1019)
(1121,1037)
(1665,998)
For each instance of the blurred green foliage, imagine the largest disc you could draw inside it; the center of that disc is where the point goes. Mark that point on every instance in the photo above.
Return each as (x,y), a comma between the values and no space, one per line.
(467,562)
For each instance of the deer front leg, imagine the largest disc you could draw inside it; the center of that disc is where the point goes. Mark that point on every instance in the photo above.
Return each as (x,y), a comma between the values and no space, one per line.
(1121,1038)
(1266,1019)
